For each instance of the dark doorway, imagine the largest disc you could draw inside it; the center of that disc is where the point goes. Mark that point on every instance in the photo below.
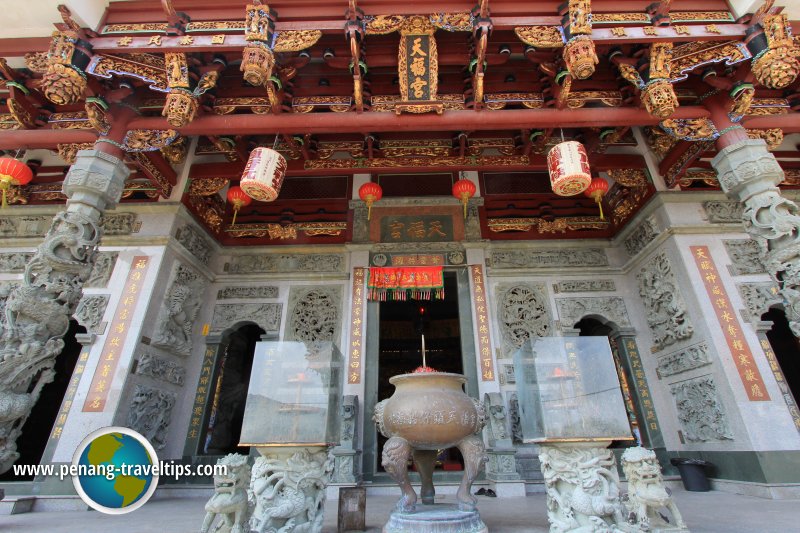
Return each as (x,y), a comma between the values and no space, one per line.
(591,327)
(786,347)
(231,379)
(36,430)
(402,324)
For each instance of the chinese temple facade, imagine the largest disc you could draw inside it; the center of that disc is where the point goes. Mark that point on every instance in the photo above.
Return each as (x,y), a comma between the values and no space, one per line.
(415,137)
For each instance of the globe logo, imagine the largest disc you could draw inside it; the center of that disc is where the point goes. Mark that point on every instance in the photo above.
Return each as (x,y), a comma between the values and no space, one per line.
(115,470)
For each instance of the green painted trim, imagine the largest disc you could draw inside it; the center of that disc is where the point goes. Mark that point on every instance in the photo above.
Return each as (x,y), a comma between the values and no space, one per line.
(781,466)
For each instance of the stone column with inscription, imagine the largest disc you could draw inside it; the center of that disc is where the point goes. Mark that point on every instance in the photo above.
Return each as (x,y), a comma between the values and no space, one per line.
(749,173)
(37,313)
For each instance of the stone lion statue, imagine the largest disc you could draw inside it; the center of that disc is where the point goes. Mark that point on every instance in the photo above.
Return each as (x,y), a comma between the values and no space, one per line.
(647,494)
(230,497)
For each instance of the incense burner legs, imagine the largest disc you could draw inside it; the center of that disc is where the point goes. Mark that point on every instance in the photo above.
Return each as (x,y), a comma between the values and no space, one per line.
(395,460)
(396,452)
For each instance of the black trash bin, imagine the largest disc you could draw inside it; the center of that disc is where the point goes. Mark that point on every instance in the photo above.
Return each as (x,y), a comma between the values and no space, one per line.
(693,473)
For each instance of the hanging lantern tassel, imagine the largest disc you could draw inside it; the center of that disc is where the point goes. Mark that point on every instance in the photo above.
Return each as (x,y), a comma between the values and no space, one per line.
(596,190)
(13,172)
(464,189)
(237,198)
(370,193)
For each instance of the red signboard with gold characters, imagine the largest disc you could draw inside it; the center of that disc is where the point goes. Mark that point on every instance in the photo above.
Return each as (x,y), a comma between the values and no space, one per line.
(482,317)
(739,349)
(355,349)
(117,335)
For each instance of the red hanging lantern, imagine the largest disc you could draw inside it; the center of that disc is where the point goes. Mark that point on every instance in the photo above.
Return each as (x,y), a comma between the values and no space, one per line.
(238,198)
(568,166)
(263,174)
(597,189)
(464,189)
(13,172)
(370,193)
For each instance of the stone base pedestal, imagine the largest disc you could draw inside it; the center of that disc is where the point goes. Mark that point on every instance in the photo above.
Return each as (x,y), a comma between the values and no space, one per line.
(436,518)
(509,489)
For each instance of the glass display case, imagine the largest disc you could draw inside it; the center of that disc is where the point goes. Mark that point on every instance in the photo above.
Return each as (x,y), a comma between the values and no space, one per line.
(569,391)
(294,395)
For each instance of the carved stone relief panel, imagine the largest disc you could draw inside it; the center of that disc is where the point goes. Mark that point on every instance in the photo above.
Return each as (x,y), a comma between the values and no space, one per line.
(723,212)
(746,257)
(700,411)
(191,239)
(173,330)
(90,310)
(496,410)
(585,285)
(102,270)
(642,236)
(314,313)
(119,223)
(37,225)
(151,413)
(267,316)
(513,418)
(759,297)
(27,226)
(151,365)
(666,310)
(572,310)
(684,360)
(523,313)
(561,257)
(14,261)
(247,264)
(254,293)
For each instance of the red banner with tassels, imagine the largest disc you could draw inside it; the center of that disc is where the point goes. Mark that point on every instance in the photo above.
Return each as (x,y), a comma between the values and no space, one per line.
(402,283)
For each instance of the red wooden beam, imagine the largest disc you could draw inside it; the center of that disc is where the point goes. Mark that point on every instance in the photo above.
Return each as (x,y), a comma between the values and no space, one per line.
(512,119)
(379,122)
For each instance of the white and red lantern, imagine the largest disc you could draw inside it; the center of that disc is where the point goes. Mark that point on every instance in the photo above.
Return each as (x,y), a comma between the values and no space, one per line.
(568,165)
(596,190)
(238,199)
(263,174)
(13,172)
(464,189)
(370,193)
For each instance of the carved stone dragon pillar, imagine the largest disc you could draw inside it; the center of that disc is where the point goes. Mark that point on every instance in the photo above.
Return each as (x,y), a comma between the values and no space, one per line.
(37,313)
(748,173)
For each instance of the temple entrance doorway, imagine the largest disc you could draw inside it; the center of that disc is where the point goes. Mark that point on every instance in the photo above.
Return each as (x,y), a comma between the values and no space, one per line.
(449,347)
(786,347)
(593,327)
(229,392)
(36,430)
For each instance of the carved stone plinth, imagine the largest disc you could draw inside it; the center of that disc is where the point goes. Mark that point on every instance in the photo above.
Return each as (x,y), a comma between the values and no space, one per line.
(502,465)
(288,486)
(582,487)
(436,518)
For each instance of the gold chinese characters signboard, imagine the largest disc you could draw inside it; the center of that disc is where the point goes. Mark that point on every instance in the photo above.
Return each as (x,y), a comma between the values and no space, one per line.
(72,388)
(482,318)
(355,348)
(788,397)
(740,350)
(109,358)
(201,395)
(418,67)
